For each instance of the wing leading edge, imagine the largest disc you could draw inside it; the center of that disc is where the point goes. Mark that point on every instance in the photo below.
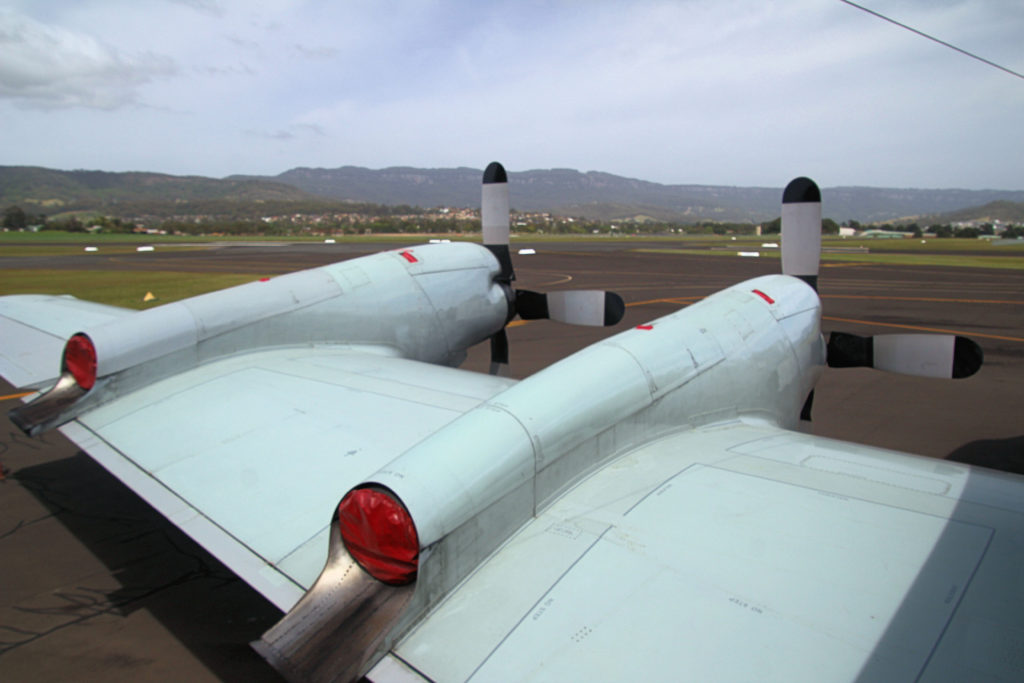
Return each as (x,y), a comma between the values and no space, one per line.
(249,455)
(744,551)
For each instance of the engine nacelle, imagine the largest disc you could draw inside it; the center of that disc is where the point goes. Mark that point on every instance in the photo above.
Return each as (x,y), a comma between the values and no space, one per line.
(707,363)
(427,303)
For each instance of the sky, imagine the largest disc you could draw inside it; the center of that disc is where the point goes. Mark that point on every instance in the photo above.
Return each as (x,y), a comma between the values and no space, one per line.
(717,92)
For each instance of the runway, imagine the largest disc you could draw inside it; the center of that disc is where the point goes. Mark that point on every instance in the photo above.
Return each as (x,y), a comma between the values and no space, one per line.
(97,587)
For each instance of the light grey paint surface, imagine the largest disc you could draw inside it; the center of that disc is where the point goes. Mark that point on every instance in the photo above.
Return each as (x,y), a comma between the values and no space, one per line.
(741,551)
(251,454)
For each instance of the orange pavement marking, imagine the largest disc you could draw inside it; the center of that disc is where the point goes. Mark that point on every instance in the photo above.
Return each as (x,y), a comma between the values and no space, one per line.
(921,329)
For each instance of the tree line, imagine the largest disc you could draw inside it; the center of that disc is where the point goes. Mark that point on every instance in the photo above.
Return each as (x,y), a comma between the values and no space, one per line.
(291,218)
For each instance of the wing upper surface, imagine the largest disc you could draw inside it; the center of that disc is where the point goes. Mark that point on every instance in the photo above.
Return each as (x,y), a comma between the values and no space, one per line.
(250,454)
(34,329)
(746,552)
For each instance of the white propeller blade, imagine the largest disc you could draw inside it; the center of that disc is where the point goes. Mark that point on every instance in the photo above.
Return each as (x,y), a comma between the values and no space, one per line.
(579,307)
(943,356)
(801,230)
(924,355)
(494,207)
(590,307)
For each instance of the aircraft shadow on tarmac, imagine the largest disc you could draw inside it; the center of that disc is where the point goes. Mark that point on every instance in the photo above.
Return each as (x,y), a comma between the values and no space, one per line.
(205,606)
(997,454)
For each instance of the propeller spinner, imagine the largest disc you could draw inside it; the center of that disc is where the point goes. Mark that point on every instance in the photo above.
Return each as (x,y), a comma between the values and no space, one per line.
(588,307)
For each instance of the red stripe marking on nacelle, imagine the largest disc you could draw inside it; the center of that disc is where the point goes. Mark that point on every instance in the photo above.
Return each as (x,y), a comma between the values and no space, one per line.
(764,296)
(645,327)
(407,255)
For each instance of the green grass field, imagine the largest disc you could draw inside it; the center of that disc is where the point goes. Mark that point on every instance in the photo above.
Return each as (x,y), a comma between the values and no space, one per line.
(116,288)
(67,250)
(50,237)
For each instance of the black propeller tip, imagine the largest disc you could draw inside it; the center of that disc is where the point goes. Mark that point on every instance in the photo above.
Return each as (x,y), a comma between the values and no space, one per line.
(801,190)
(495,173)
(614,309)
(967,357)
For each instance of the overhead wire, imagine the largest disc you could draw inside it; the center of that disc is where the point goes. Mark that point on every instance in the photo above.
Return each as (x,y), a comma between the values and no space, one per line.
(934,39)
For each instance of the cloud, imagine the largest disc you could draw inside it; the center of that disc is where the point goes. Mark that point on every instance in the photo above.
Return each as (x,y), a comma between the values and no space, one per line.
(52,67)
(316,52)
(211,7)
(723,91)
(294,131)
(677,92)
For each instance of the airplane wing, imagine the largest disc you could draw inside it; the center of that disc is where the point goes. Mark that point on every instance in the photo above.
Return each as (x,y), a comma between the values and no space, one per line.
(742,551)
(35,328)
(249,455)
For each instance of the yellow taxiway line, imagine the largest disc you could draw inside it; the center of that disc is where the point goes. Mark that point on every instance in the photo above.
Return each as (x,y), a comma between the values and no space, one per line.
(921,298)
(919,328)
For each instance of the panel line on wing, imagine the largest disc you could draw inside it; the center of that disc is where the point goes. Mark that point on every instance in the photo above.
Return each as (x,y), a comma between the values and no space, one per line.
(959,600)
(536,604)
(778,477)
(374,380)
(660,486)
(403,660)
(985,531)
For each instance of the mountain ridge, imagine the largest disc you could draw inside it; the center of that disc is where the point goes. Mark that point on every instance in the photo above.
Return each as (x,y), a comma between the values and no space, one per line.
(591,194)
(605,196)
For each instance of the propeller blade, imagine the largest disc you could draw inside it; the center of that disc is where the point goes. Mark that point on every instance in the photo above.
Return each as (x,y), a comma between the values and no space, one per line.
(577,307)
(805,412)
(494,211)
(591,307)
(922,355)
(494,217)
(531,305)
(499,353)
(801,230)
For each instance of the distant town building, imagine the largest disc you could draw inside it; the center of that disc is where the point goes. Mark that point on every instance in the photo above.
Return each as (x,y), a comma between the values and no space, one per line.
(885,234)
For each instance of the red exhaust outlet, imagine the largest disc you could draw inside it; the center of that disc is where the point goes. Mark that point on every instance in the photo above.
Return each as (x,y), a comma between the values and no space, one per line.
(380,535)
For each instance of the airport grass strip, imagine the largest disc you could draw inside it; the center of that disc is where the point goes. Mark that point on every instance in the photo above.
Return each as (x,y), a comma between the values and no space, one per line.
(117,287)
